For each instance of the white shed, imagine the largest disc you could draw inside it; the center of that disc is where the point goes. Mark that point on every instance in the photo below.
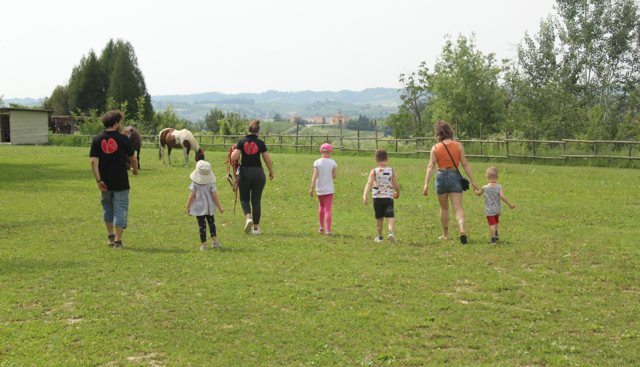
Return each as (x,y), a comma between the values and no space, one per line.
(24,126)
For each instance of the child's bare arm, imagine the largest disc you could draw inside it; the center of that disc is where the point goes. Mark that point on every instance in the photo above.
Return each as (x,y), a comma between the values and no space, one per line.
(504,198)
(335,173)
(479,192)
(368,186)
(314,178)
(396,186)
(217,201)
(190,201)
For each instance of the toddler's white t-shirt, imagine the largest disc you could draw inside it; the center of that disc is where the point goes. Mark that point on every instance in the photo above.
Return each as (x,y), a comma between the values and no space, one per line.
(324,184)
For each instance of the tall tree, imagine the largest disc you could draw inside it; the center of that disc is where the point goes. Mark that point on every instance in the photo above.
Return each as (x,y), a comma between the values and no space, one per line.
(212,120)
(414,94)
(85,84)
(465,84)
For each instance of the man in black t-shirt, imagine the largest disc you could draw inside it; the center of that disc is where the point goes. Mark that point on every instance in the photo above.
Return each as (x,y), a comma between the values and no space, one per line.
(109,151)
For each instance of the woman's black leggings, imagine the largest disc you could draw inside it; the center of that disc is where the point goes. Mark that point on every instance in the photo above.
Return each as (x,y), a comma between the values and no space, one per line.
(203,226)
(251,183)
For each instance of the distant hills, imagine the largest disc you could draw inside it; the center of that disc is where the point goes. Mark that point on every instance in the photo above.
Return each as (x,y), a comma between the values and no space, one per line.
(387,97)
(375,103)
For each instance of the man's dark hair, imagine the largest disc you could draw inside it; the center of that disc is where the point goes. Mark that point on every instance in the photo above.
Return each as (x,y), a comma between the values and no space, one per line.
(381,155)
(111,118)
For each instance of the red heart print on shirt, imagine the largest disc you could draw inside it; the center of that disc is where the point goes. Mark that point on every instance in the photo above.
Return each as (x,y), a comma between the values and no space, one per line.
(250,148)
(109,146)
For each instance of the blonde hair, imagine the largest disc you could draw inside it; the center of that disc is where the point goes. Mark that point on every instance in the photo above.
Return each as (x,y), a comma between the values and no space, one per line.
(492,173)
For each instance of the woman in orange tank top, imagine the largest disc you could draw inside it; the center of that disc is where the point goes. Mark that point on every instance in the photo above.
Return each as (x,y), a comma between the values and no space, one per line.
(447,155)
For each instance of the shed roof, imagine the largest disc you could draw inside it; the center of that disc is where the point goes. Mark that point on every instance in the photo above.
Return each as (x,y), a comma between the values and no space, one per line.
(9,109)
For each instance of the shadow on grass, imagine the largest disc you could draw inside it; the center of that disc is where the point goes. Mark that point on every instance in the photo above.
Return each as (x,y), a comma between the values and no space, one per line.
(38,172)
(157,250)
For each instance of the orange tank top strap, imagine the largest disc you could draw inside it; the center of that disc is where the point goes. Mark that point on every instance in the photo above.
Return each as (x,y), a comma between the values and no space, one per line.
(442,157)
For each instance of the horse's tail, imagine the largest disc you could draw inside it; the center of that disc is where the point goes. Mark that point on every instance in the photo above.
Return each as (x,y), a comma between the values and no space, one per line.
(194,143)
(160,145)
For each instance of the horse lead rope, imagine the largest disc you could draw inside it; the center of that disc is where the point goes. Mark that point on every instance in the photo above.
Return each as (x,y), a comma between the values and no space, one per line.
(233,180)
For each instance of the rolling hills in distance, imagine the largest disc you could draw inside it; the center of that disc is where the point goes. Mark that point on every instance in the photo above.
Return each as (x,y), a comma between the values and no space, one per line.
(372,102)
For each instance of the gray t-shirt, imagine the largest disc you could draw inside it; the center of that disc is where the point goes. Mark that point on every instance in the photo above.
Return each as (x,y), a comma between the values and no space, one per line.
(203,204)
(492,202)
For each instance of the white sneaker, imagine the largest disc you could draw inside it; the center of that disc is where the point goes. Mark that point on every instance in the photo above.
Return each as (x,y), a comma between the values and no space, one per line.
(248,225)
(256,231)
(392,238)
(378,239)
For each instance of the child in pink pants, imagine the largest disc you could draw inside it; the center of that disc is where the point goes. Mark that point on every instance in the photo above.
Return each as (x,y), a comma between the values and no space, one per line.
(324,171)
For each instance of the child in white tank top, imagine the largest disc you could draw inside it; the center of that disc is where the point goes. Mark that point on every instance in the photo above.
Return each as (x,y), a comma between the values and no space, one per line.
(382,181)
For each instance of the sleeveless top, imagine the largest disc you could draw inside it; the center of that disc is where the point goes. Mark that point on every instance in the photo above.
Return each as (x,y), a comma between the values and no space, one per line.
(383,184)
(442,157)
(492,202)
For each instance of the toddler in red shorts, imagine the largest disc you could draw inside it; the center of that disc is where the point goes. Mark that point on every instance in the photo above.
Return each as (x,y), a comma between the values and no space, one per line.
(493,194)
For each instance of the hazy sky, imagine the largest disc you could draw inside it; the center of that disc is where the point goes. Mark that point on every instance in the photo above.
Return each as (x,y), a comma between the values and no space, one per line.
(186,47)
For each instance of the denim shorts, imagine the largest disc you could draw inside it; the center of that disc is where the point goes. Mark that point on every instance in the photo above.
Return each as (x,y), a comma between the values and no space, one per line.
(448,182)
(115,207)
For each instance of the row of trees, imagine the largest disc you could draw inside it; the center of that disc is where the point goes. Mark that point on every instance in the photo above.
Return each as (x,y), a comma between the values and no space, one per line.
(115,75)
(582,68)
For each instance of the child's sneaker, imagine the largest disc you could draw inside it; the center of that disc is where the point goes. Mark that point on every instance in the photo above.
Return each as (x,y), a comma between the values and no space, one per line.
(203,248)
(329,234)
(256,231)
(112,240)
(321,230)
(216,244)
(378,239)
(392,238)
(248,225)
(497,237)
(494,240)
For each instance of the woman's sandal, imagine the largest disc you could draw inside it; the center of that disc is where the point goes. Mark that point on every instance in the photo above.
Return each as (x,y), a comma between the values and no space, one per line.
(463,238)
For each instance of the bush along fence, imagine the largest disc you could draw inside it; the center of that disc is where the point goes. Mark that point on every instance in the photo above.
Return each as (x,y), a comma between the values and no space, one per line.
(497,148)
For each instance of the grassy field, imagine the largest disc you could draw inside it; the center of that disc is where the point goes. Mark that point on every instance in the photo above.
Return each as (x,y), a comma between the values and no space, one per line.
(561,288)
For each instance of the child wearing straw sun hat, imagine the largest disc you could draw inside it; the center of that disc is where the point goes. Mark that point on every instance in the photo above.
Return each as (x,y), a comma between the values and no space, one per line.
(203,201)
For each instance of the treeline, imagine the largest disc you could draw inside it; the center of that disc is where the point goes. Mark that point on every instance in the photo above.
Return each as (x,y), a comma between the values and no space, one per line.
(229,100)
(580,70)
(110,81)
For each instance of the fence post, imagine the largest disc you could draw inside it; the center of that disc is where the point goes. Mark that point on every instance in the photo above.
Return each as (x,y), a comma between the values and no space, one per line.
(397,141)
(297,127)
(564,136)
(375,127)
(629,152)
(327,137)
(281,143)
(358,138)
(533,138)
(456,127)
(311,145)
(480,139)
(595,148)
(506,138)
(341,143)
(224,141)
(200,138)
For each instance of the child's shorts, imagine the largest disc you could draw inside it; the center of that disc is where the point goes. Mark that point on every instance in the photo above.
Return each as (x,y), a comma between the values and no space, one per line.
(493,219)
(383,207)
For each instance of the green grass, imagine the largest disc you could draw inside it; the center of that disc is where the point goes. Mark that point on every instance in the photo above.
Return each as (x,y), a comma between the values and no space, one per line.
(561,288)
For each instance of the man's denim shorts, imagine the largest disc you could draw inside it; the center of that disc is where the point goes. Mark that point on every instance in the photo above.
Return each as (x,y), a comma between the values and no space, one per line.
(115,207)
(448,182)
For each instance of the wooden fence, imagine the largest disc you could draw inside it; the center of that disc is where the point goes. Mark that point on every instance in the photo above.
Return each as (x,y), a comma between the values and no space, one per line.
(413,146)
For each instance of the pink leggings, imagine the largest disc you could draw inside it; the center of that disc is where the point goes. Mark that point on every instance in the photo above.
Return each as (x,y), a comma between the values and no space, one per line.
(325,210)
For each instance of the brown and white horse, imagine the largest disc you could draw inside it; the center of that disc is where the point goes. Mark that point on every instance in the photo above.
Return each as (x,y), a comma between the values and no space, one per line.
(136,140)
(179,139)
